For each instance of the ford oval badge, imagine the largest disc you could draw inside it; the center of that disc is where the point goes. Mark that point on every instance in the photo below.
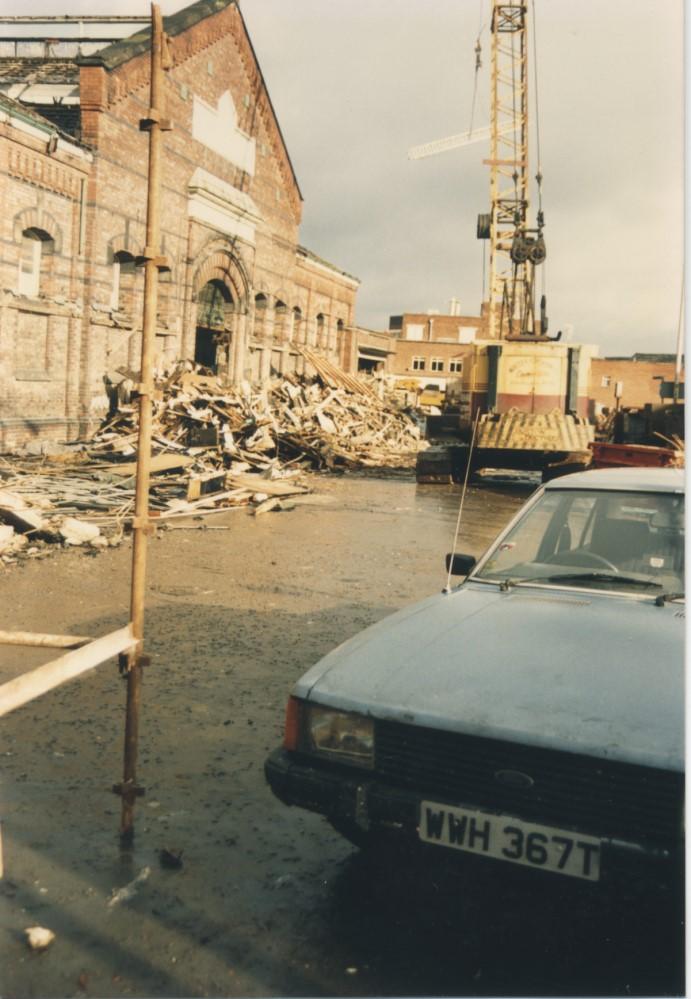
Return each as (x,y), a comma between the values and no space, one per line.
(514,778)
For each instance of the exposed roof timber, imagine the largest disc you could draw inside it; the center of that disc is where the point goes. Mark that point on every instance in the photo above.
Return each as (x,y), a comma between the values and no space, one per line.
(75,19)
(19,70)
(23,113)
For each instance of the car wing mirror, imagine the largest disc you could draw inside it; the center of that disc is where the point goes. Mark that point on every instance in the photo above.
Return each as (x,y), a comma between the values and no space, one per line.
(459,565)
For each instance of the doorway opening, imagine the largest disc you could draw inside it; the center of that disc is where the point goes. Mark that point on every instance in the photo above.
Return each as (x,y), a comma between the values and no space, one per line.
(212,338)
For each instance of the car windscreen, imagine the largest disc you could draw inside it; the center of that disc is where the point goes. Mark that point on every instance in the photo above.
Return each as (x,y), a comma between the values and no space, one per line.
(596,538)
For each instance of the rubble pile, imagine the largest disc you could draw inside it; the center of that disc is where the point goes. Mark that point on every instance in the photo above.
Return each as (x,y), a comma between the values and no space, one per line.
(331,422)
(214,447)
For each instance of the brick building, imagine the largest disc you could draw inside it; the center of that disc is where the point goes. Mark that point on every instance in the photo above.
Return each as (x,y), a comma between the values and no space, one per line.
(44,175)
(430,347)
(627,382)
(240,294)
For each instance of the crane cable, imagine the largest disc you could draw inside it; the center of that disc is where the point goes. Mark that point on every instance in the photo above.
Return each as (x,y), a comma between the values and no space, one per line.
(538,175)
(478,67)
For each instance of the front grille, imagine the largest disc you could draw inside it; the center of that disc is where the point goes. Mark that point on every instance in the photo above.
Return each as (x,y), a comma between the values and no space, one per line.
(597,796)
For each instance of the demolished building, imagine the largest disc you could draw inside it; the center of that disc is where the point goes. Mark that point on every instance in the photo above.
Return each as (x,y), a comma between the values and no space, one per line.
(238,293)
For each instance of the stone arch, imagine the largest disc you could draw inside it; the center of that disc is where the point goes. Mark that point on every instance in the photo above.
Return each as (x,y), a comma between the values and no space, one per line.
(122,243)
(221,264)
(40,221)
(220,280)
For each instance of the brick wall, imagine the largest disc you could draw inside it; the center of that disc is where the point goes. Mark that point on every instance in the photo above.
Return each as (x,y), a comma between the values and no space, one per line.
(639,382)
(221,222)
(427,347)
(41,186)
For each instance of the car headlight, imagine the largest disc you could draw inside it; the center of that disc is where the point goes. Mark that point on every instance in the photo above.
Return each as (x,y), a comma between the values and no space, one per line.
(342,736)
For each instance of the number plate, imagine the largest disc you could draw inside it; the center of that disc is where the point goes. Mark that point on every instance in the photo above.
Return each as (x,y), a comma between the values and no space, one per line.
(505,838)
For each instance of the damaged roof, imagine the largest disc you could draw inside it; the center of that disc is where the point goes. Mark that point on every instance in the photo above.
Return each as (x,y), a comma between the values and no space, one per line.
(127,48)
(304,252)
(24,112)
(28,70)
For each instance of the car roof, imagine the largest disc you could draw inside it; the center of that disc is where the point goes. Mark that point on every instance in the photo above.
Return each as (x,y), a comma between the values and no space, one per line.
(670,480)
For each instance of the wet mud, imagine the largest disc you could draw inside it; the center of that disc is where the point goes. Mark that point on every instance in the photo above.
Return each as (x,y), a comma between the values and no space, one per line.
(266,900)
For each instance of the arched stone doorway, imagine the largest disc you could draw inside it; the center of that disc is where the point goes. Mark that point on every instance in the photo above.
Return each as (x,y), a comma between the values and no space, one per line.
(215,308)
(220,297)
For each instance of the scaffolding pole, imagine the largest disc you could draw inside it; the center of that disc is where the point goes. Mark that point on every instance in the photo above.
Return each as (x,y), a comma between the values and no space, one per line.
(86,653)
(133,662)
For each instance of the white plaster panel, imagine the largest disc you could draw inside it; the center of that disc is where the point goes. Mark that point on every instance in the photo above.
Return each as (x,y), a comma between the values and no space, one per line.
(217,128)
(222,206)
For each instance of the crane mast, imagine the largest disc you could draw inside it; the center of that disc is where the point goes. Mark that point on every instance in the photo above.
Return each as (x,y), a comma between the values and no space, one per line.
(521,400)
(514,249)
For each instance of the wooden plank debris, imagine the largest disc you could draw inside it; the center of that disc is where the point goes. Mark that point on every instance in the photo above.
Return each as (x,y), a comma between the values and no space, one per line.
(259,442)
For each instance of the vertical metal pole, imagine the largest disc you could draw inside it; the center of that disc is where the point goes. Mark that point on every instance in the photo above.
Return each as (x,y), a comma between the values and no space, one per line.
(151,257)
(680,350)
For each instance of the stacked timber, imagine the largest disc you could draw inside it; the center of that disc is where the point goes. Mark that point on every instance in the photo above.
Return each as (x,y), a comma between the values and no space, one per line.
(214,447)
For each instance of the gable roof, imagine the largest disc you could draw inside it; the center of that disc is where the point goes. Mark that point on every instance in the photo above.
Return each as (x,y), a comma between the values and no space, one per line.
(123,50)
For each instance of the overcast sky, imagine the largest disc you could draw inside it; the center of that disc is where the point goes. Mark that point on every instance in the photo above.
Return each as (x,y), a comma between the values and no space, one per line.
(355,83)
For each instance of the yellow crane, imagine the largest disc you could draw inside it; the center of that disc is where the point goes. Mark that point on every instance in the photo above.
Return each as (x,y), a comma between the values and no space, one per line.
(528,391)
(515,249)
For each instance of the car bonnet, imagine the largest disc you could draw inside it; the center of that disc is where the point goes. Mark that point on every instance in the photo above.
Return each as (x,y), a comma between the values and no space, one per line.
(578,671)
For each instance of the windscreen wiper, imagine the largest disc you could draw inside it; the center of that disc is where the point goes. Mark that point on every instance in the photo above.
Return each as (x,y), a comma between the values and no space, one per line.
(607,577)
(662,598)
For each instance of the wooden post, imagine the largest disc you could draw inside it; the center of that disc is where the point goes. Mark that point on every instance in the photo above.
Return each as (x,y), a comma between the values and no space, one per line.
(133,662)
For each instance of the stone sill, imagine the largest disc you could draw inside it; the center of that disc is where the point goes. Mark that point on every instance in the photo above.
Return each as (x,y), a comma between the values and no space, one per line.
(26,375)
(41,307)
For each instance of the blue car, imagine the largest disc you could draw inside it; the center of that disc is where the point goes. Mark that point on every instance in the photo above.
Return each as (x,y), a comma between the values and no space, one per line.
(532,715)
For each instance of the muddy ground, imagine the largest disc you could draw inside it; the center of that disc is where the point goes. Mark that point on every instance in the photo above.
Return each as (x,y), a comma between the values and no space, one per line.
(269,900)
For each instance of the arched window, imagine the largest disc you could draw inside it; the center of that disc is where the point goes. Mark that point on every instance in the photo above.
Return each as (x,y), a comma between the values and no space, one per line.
(280,321)
(336,338)
(260,306)
(321,330)
(166,296)
(298,326)
(215,303)
(37,246)
(124,278)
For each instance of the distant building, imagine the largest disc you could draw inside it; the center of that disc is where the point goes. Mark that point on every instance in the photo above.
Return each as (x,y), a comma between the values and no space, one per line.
(629,382)
(368,352)
(430,347)
(239,295)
